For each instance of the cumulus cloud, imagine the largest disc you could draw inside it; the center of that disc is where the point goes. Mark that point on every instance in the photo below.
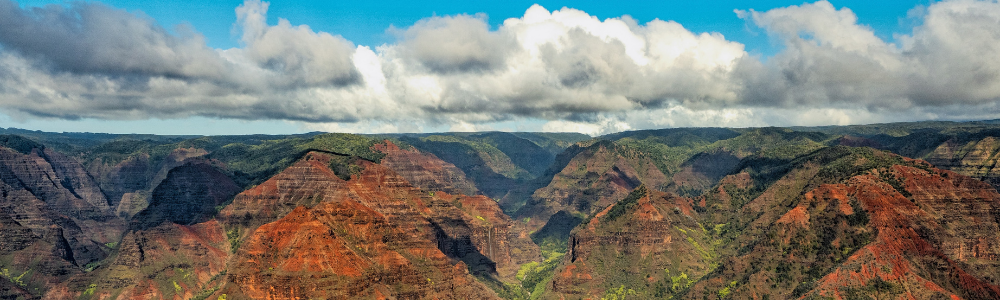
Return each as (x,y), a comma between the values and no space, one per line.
(94,38)
(952,58)
(311,58)
(559,70)
(456,44)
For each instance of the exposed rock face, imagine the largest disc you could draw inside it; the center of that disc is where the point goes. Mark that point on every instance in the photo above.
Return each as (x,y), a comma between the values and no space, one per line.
(53,197)
(366,256)
(425,171)
(128,176)
(391,236)
(129,183)
(174,249)
(188,195)
(32,262)
(947,220)
(522,152)
(650,233)
(977,159)
(307,182)
(493,171)
(476,231)
(897,228)
(702,171)
(169,261)
(54,220)
(592,180)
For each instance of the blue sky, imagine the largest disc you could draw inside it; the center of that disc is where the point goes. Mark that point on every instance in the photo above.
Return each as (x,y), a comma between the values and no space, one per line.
(368,23)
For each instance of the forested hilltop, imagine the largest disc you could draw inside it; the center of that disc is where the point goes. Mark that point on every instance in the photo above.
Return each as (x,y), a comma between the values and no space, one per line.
(883,211)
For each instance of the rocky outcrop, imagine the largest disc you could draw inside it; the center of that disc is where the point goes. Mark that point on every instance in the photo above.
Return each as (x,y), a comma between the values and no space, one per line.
(190,194)
(129,183)
(356,252)
(33,262)
(174,248)
(977,158)
(168,261)
(938,218)
(424,170)
(702,171)
(11,291)
(649,233)
(592,180)
(860,222)
(56,200)
(307,182)
(402,241)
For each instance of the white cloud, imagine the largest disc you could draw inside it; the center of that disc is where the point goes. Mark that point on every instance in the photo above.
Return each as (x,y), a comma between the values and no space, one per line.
(556,70)
(304,57)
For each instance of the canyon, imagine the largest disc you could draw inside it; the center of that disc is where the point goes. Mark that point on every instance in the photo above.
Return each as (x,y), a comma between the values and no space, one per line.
(889,211)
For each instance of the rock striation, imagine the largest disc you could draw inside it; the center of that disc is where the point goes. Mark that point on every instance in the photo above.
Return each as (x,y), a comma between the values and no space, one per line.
(390,239)
(424,170)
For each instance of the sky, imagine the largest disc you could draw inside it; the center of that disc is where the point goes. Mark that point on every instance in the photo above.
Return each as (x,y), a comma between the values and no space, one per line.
(596,67)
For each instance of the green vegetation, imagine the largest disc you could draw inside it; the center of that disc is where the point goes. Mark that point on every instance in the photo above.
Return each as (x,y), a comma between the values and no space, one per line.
(536,275)
(726,290)
(19,144)
(91,266)
(875,288)
(891,179)
(680,282)
(16,279)
(344,143)
(205,294)
(618,294)
(469,153)
(553,237)
(626,204)
(525,268)
(90,290)
(505,290)
(233,235)
(345,166)
(785,163)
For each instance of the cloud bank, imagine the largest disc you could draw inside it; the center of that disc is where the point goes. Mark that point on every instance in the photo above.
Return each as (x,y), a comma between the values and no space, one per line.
(561,70)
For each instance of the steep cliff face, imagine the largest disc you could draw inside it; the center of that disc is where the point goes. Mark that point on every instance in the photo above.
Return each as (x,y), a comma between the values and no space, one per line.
(938,219)
(168,261)
(649,242)
(977,159)
(428,232)
(840,223)
(188,195)
(347,251)
(592,180)
(174,249)
(702,171)
(424,170)
(53,197)
(305,183)
(129,183)
(848,222)
(524,153)
(31,263)
(493,171)
(54,220)
(11,291)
